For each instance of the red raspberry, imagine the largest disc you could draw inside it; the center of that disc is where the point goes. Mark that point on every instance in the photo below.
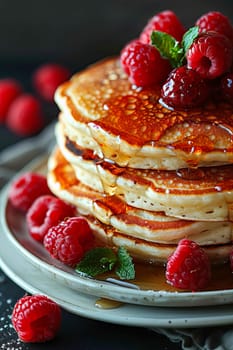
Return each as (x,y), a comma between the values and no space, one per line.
(215,21)
(184,88)
(226,86)
(25,189)
(188,267)
(210,55)
(36,318)
(69,240)
(48,77)
(143,64)
(25,115)
(9,90)
(45,212)
(166,22)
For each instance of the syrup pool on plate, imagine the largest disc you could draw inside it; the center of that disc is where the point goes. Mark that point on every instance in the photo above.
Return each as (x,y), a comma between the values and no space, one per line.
(151,277)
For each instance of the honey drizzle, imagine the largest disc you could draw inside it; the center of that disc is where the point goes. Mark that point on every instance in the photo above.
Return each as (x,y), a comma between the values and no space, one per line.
(215,177)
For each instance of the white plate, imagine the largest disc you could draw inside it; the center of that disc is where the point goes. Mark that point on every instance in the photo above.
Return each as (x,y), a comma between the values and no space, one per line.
(33,279)
(13,226)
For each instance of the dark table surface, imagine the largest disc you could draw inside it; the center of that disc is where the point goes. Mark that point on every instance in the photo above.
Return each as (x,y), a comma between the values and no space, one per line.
(76,332)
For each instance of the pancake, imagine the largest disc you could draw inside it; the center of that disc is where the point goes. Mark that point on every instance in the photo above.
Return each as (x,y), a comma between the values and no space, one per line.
(104,113)
(144,176)
(150,252)
(150,236)
(192,194)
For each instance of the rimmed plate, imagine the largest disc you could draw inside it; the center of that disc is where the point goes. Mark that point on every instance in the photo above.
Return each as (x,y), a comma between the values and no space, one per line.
(13,225)
(32,278)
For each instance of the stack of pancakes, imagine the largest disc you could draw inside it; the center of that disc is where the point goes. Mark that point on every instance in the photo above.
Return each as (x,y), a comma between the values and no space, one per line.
(145,176)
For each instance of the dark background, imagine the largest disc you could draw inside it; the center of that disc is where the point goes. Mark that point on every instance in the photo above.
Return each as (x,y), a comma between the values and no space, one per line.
(79,32)
(76,33)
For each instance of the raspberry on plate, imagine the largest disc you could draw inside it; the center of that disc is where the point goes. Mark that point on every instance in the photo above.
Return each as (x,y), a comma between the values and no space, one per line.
(36,318)
(184,88)
(215,21)
(48,77)
(166,22)
(25,116)
(69,240)
(26,188)
(188,267)
(144,64)
(9,90)
(46,211)
(210,55)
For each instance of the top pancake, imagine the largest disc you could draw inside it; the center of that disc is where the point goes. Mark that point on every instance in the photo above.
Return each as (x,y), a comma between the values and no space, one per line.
(129,126)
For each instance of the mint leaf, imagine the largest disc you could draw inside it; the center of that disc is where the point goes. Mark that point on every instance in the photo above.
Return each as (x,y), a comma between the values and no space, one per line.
(97,261)
(189,38)
(100,260)
(125,267)
(168,47)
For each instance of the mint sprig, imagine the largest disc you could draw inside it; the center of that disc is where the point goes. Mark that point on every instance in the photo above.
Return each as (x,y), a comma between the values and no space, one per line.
(189,37)
(101,259)
(125,267)
(172,49)
(168,47)
(97,261)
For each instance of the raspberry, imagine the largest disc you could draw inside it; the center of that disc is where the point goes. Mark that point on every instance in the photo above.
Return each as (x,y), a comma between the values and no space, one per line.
(166,22)
(215,21)
(45,212)
(69,240)
(9,90)
(143,64)
(188,267)
(36,318)
(184,88)
(25,115)
(210,55)
(25,189)
(226,85)
(48,77)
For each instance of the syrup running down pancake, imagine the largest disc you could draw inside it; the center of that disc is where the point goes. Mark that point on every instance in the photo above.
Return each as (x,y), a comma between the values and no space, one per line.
(148,235)
(103,112)
(144,176)
(194,194)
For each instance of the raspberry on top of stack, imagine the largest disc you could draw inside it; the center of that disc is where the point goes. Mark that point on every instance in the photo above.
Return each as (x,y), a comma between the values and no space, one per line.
(145,142)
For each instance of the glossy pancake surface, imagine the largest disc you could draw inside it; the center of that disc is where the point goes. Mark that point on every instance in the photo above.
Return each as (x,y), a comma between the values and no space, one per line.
(129,125)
